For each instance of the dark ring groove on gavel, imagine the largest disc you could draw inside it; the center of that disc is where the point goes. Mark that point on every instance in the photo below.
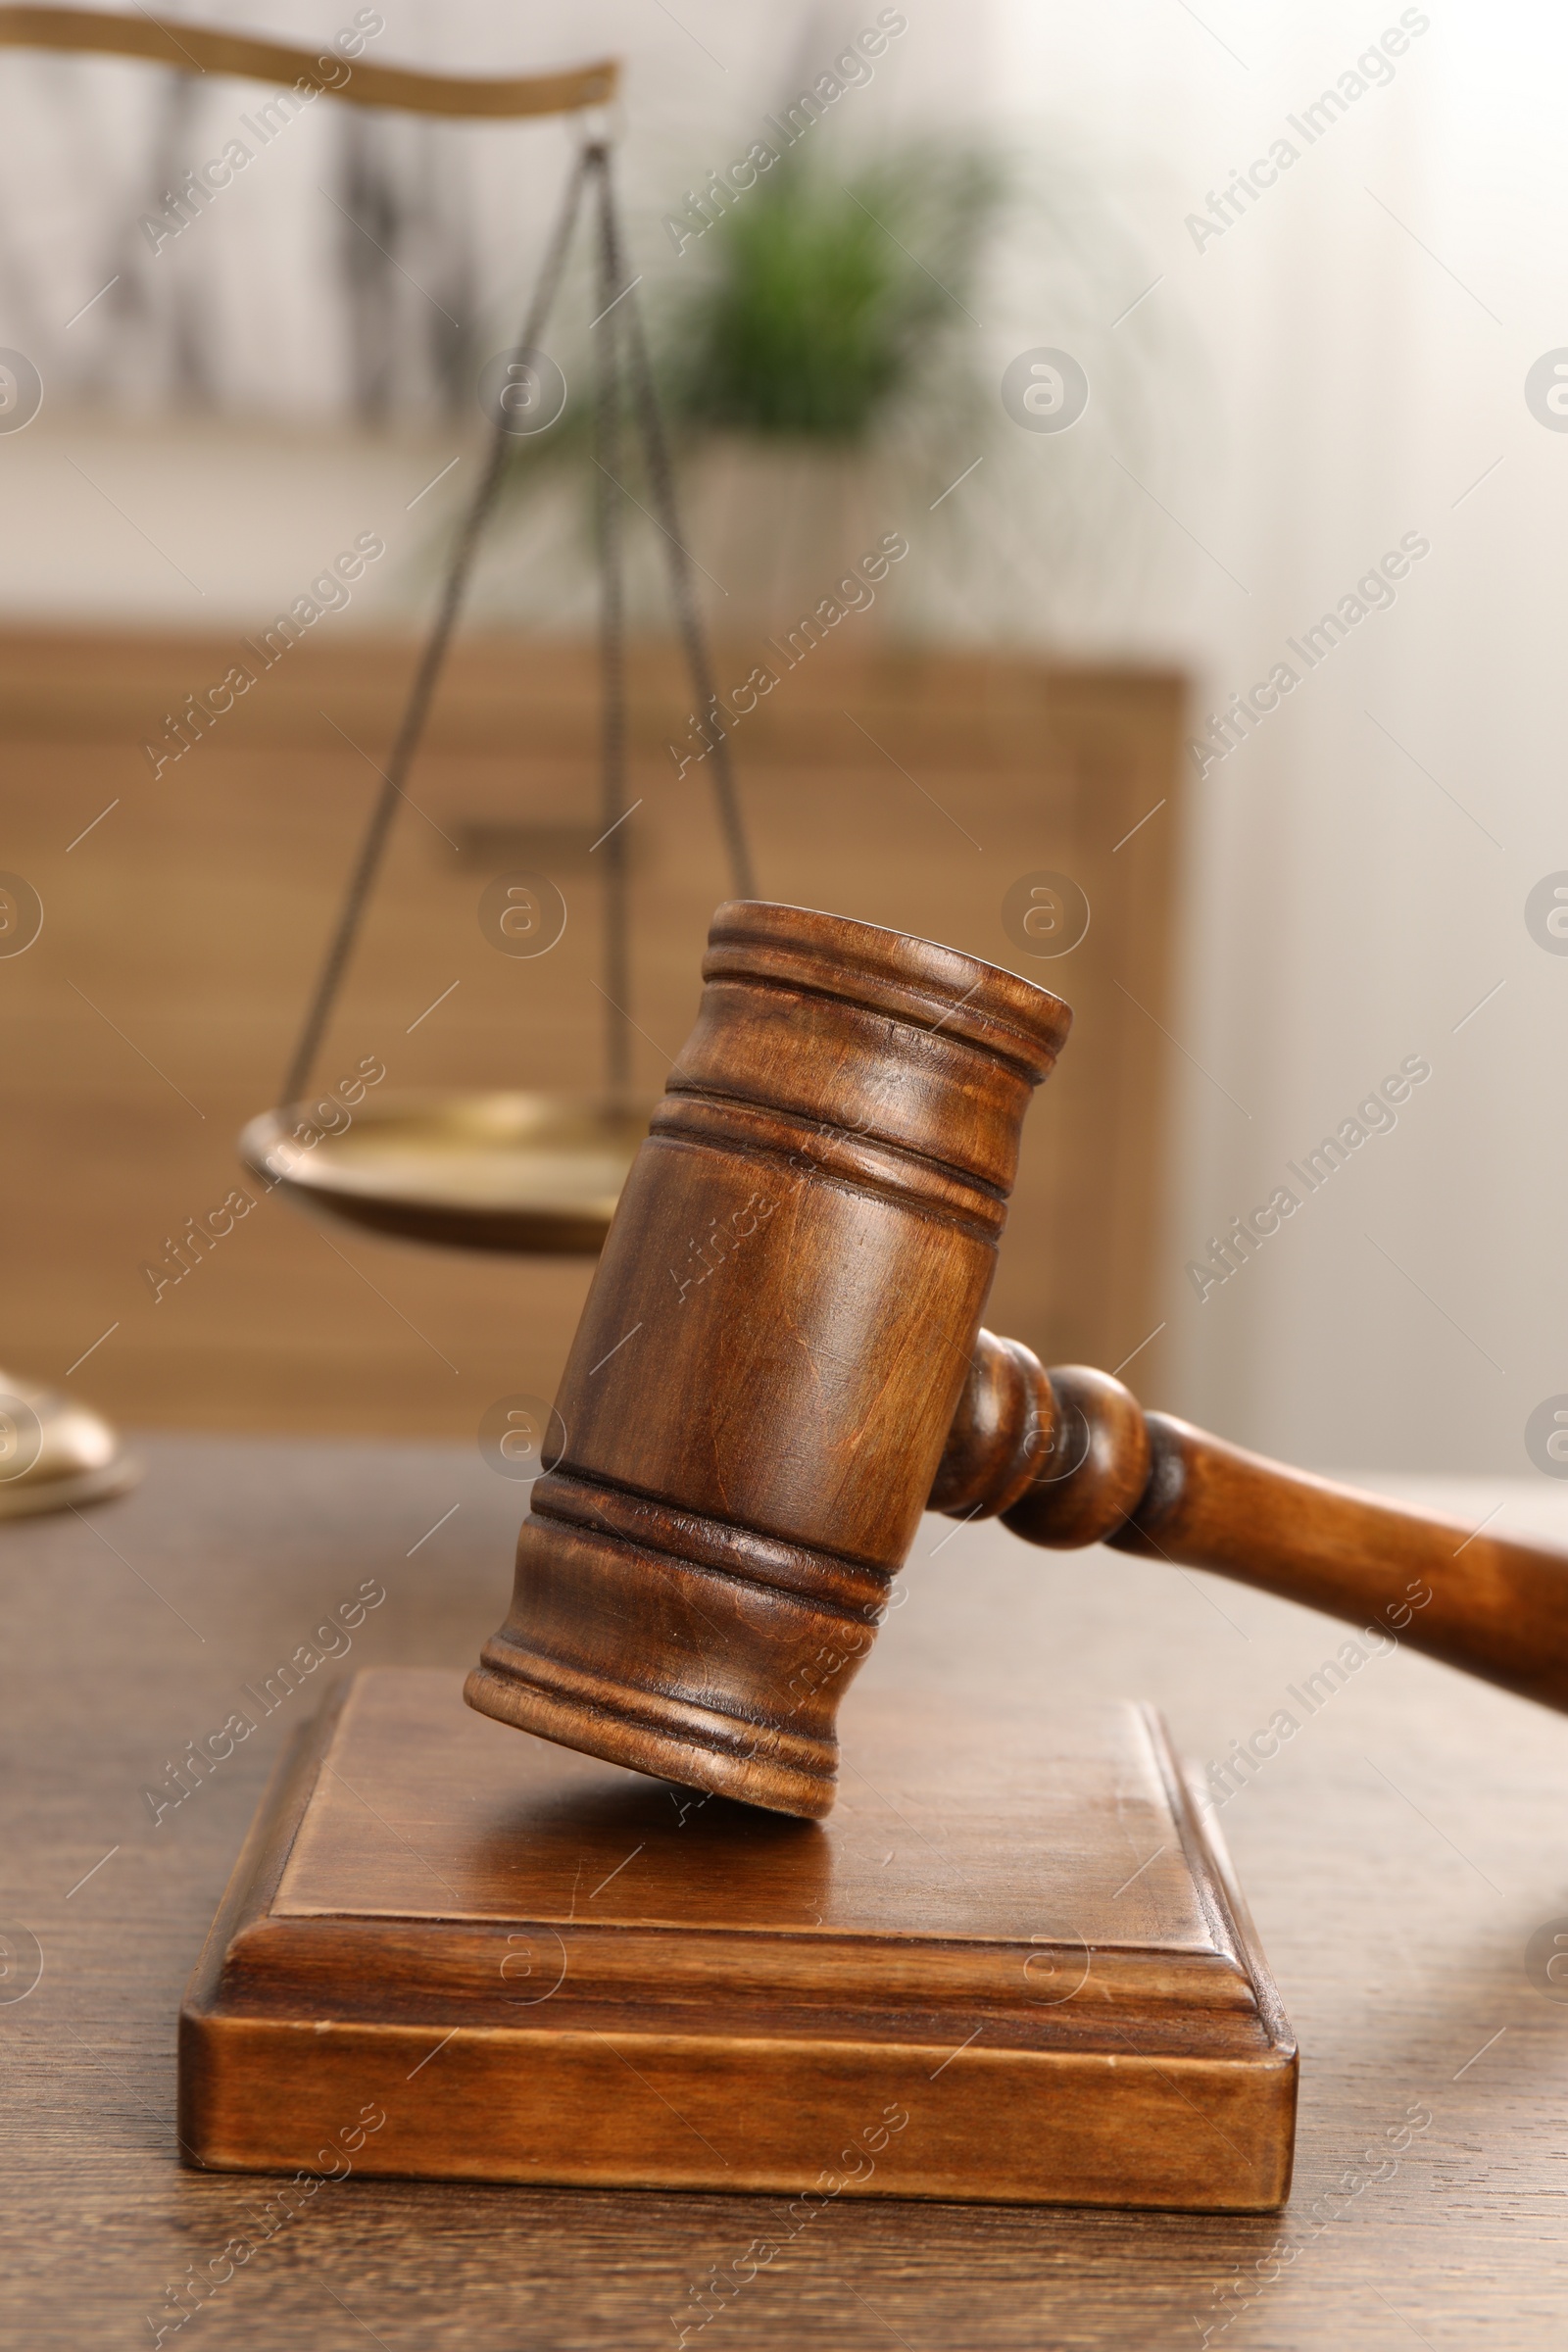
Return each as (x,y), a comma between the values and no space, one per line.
(749,1448)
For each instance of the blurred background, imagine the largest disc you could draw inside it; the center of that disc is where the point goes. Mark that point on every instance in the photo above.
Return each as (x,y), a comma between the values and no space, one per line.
(1187,356)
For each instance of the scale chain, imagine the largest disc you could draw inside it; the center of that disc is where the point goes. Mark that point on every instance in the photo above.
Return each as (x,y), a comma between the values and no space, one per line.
(431,663)
(621,313)
(683,592)
(610,534)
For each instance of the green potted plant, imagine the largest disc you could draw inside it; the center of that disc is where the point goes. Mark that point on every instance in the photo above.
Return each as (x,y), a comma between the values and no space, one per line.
(823,366)
(826,379)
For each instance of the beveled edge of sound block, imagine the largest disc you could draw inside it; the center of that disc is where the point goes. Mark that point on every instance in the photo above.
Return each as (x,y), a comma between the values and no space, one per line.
(310,2024)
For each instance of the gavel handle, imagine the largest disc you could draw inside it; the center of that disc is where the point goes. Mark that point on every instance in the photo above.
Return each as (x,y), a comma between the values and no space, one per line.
(1069,1457)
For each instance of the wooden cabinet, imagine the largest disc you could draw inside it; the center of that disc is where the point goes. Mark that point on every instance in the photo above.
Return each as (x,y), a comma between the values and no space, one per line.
(185,914)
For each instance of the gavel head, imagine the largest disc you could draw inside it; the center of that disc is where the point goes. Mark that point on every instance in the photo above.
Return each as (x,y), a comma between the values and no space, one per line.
(776,1337)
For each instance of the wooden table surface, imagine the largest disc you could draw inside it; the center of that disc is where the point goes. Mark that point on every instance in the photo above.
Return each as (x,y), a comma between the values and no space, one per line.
(1399,1852)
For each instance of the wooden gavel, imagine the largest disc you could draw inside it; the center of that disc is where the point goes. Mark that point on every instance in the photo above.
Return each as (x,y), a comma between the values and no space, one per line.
(780,1364)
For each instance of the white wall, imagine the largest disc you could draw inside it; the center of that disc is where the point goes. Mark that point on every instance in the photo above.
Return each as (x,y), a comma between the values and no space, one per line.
(1359,867)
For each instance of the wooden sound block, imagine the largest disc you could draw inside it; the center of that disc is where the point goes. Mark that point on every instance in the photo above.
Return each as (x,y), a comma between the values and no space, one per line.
(1011,1965)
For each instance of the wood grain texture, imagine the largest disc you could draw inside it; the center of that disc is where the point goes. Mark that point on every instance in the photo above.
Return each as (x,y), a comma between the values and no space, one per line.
(1083,2019)
(1399,1852)
(186,924)
(744,1451)
(776,1336)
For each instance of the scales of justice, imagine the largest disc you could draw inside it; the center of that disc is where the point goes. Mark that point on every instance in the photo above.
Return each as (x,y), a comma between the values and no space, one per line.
(568,1931)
